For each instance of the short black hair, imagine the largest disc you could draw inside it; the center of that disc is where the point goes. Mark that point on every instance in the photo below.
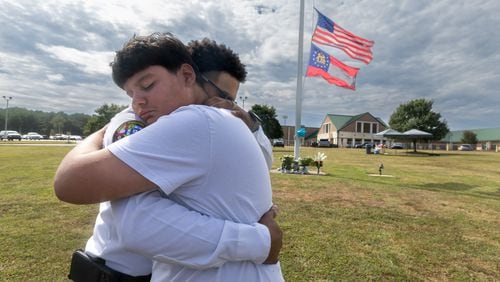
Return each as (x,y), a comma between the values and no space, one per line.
(141,52)
(210,56)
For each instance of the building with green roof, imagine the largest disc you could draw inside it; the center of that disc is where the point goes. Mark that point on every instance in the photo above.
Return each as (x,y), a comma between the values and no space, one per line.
(488,138)
(348,130)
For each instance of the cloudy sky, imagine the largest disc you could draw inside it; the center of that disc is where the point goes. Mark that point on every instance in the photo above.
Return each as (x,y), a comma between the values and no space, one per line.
(55,54)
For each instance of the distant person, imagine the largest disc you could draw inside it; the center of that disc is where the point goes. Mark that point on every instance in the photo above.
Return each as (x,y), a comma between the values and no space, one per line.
(200,168)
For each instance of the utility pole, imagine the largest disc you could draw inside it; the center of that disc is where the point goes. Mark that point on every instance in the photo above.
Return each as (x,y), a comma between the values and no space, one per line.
(284,123)
(243,100)
(7,98)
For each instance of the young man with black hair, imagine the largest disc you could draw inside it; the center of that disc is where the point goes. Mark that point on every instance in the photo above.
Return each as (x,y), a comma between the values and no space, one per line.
(222,69)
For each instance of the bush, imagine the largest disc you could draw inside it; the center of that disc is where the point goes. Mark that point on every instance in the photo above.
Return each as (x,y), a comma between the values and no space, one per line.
(307,161)
(286,162)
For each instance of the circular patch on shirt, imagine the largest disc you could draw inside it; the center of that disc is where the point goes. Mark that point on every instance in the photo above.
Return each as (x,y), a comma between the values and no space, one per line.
(127,128)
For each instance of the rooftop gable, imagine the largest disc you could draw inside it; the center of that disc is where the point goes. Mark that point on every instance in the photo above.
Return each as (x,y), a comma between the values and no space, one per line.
(341,121)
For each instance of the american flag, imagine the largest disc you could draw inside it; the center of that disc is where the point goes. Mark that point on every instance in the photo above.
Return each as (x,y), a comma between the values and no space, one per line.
(331,34)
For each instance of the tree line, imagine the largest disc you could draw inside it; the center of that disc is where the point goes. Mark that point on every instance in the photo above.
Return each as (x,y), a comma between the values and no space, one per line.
(46,123)
(50,123)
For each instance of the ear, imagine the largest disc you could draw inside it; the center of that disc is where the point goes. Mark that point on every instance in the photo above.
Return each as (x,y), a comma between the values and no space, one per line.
(188,74)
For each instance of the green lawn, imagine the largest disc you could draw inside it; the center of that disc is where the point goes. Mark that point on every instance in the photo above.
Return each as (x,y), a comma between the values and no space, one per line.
(435,218)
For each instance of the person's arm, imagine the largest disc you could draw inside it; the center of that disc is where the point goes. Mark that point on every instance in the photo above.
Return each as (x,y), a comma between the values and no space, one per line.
(155,227)
(265,146)
(89,174)
(250,121)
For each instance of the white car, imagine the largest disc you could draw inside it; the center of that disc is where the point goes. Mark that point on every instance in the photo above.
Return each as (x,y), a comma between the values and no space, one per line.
(397,146)
(278,143)
(465,147)
(32,136)
(324,143)
(59,137)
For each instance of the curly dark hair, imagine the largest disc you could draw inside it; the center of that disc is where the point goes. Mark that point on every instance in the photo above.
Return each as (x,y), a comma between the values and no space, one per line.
(141,52)
(210,56)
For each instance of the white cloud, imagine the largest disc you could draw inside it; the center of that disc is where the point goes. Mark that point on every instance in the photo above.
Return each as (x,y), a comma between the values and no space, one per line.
(57,52)
(91,62)
(55,77)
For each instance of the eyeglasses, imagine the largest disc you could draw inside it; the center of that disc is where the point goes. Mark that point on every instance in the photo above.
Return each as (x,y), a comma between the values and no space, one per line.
(221,93)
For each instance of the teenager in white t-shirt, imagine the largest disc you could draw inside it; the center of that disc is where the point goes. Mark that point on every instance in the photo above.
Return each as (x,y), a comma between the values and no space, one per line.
(210,147)
(211,241)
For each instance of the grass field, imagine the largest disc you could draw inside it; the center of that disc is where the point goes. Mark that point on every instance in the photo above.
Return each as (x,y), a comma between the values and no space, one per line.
(436,219)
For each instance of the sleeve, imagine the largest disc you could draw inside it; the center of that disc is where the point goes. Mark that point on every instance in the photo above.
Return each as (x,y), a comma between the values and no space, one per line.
(122,125)
(265,146)
(162,230)
(170,152)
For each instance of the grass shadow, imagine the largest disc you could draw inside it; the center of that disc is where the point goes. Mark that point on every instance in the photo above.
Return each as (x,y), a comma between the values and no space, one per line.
(449,186)
(411,153)
(495,194)
(458,188)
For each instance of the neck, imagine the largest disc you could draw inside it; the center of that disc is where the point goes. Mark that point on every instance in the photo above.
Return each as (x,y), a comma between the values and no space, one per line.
(200,96)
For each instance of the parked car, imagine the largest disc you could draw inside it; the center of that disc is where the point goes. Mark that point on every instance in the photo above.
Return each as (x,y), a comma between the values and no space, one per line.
(278,143)
(75,137)
(397,146)
(363,145)
(324,143)
(59,137)
(10,135)
(32,136)
(465,147)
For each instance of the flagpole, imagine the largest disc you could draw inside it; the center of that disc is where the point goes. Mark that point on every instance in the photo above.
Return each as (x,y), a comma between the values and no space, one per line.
(298,96)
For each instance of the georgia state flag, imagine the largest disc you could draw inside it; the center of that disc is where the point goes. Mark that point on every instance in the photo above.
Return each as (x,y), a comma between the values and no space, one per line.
(331,69)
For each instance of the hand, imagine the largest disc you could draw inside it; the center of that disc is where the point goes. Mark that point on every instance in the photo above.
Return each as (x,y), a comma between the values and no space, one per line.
(238,112)
(276,235)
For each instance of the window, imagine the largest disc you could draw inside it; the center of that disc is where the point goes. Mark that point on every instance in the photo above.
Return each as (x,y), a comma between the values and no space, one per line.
(366,127)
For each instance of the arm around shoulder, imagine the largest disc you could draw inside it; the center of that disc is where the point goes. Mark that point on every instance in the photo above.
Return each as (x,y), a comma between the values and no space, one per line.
(155,227)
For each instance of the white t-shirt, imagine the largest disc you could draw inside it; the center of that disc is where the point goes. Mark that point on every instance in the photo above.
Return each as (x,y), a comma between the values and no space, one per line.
(206,159)
(128,242)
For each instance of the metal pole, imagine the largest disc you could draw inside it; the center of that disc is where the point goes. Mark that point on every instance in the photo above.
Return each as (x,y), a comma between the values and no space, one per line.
(288,133)
(298,96)
(7,98)
(284,123)
(243,100)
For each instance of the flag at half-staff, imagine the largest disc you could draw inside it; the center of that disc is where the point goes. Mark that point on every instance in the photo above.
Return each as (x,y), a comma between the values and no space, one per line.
(332,70)
(331,34)
(336,70)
